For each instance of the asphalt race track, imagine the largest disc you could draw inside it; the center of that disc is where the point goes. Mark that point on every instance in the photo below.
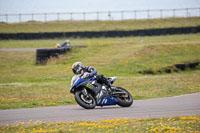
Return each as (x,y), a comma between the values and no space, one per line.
(184,105)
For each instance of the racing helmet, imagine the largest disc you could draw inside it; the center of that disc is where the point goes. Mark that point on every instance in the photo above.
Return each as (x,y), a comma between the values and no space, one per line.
(77,67)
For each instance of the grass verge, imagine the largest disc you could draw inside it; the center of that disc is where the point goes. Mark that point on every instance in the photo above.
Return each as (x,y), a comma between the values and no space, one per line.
(189,124)
(68,26)
(25,84)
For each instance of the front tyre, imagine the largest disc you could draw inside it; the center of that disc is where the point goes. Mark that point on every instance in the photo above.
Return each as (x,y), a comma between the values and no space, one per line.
(85,102)
(124,100)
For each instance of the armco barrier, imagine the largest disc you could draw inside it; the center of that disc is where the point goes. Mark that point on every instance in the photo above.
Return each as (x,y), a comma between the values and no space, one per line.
(96,34)
(43,54)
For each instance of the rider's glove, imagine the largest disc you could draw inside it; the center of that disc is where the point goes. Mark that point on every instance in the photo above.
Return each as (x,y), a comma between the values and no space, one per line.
(86,75)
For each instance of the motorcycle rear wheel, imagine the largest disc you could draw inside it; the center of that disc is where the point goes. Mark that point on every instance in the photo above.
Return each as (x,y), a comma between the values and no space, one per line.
(124,101)
(85,102)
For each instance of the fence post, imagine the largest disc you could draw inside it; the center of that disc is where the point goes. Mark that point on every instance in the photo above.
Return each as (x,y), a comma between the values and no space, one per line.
(58,16)
(71,16)
(19,18)
(45,17)
(161,14)
(6,18)
(122,13)
(83,16)
(147,14)
(32,17)
(174,13)
(109,15)
(199,12)
(97,16)
(135,12)
(187,13)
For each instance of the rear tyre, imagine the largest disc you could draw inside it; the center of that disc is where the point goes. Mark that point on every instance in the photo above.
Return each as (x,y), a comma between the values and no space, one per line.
(124,100)
(85,102)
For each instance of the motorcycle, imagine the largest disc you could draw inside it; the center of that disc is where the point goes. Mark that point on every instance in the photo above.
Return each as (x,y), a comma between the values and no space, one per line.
(89,93)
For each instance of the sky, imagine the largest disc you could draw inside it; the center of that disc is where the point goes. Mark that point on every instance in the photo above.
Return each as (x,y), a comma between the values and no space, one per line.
(48,6)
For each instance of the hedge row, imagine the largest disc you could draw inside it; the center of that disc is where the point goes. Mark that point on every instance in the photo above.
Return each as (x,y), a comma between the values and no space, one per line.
(96,34)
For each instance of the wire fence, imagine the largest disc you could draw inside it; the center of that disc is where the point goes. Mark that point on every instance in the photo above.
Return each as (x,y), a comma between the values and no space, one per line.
(102,16)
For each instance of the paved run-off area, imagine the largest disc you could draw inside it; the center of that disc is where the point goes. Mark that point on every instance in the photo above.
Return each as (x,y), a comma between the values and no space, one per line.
(184,105)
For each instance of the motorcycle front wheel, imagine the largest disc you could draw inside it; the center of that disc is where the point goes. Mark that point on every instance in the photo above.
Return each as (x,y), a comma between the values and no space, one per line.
(124,100)
(87,102)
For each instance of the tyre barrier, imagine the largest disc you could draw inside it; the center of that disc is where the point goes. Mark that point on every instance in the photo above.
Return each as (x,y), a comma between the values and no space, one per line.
(97,34)
(42,55)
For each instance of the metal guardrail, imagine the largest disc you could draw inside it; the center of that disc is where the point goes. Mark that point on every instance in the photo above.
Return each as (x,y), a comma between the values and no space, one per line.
(109,15)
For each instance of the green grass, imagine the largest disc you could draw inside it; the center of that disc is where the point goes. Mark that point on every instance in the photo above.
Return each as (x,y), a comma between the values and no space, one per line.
(189,124)
(68,26)
(51,43)
(25,84)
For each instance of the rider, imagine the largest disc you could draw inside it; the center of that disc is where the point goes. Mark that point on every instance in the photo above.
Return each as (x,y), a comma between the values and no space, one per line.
(79,69)
(66,43)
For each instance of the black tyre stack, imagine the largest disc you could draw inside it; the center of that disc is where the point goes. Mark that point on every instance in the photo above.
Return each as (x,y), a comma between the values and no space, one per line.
(42,55)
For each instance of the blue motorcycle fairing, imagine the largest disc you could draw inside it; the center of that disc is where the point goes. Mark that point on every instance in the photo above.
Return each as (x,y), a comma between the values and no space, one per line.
(78,82)
(107,101)
(81,80)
